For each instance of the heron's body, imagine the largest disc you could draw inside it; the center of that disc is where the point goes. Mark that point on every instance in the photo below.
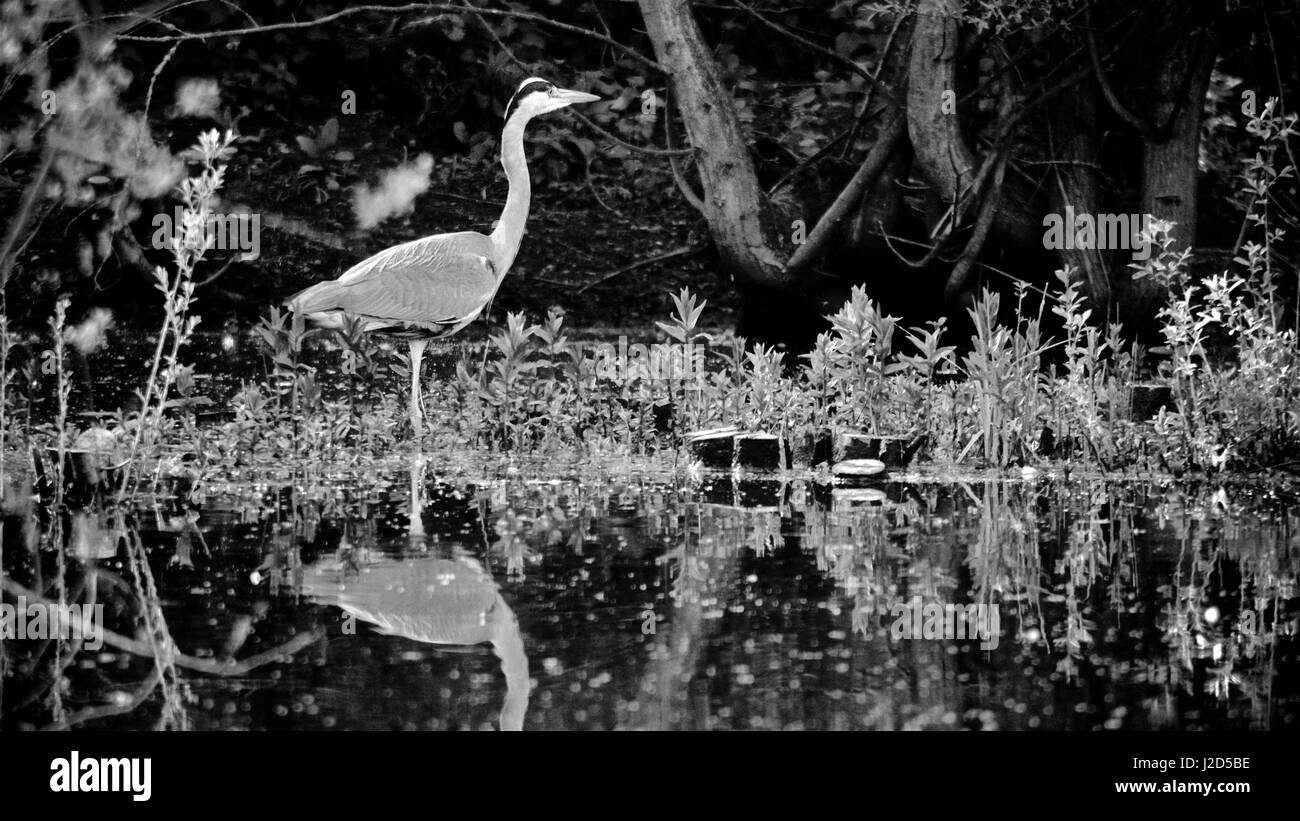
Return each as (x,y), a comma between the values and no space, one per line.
(435,601)
(417,290)
(433,287)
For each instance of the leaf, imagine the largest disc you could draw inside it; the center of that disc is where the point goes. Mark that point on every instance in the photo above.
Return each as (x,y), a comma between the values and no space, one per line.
(673,331)
(307,144)
(329,133)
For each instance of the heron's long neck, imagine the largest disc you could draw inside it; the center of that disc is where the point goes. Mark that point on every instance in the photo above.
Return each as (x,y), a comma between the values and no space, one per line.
(508,644)
(510,229)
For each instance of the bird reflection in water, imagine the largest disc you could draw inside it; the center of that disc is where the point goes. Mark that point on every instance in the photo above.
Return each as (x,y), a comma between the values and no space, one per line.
(440,601)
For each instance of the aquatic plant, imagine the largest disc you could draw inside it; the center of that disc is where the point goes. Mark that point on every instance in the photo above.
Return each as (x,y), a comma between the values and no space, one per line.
(188,245)
(1015,396)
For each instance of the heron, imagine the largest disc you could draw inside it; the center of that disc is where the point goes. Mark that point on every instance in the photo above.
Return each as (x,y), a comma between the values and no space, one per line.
(431,288)
(452,603)
(449,602)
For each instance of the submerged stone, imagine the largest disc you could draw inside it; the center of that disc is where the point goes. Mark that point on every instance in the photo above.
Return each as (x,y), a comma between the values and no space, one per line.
(859,468)
(758,451)
(715,447)
(894,451)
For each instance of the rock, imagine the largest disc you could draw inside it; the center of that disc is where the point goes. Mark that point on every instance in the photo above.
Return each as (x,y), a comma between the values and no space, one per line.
(718,490)
(715,447)
(664,415)
(759,493)
(758,451)
(852,497)
(894,451)
(812,449)
(859,468)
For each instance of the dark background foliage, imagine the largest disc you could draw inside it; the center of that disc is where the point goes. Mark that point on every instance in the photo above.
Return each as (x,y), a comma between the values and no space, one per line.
(425,79)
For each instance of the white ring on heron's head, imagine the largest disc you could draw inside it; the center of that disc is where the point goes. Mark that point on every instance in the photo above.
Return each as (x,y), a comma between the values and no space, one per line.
(533,80)
(541,90)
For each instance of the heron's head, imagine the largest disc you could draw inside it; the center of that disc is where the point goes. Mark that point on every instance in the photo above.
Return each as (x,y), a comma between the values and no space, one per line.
(537,96)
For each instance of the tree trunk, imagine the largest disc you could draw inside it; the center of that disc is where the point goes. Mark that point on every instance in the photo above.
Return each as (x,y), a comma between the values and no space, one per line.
(1076,145)
(944,160)
(1170,156)
(942,156)
(737,212)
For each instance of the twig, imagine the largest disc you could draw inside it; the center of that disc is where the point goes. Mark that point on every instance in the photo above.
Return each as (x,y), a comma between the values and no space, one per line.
(148,97)
(591,185)
(208,280)
(932,251)
(106,710)
(1028,54)
(207,666)
(820,49)
(991,268)
(509,52)
(684,251)
(442,8)
(1094,54)
(693,199)
(871,169)
(812,160)
(988,211)
(880,69)
(1277,72)
(19,222)
(640,149)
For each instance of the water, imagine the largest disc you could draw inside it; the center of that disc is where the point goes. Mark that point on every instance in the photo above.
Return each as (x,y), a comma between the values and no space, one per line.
(634,596)
(589,593)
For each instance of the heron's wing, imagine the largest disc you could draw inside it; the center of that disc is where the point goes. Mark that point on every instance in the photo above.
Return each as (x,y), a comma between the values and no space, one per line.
(436,601)
(435,282)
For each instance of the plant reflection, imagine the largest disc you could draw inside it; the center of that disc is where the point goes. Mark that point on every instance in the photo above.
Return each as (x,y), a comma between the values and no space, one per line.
(648,601)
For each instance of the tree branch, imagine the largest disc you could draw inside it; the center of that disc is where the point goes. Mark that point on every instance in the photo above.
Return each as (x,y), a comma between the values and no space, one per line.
(684,251)
(683,185)
(440,8)
(876,160)
(208,666)
(107,710)
(1094,55)
(509,52)
(966,262)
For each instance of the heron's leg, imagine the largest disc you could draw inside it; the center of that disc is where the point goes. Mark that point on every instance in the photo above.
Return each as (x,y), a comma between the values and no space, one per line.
(417,400)
(417,502)
(482,366)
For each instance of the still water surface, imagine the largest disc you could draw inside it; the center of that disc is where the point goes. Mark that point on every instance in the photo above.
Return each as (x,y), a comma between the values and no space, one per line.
(636,598)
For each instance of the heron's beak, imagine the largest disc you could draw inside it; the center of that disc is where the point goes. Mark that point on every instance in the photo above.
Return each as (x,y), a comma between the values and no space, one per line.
(572,97)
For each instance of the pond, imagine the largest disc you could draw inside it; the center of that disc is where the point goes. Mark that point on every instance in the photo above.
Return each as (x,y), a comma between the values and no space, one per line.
(463,593)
